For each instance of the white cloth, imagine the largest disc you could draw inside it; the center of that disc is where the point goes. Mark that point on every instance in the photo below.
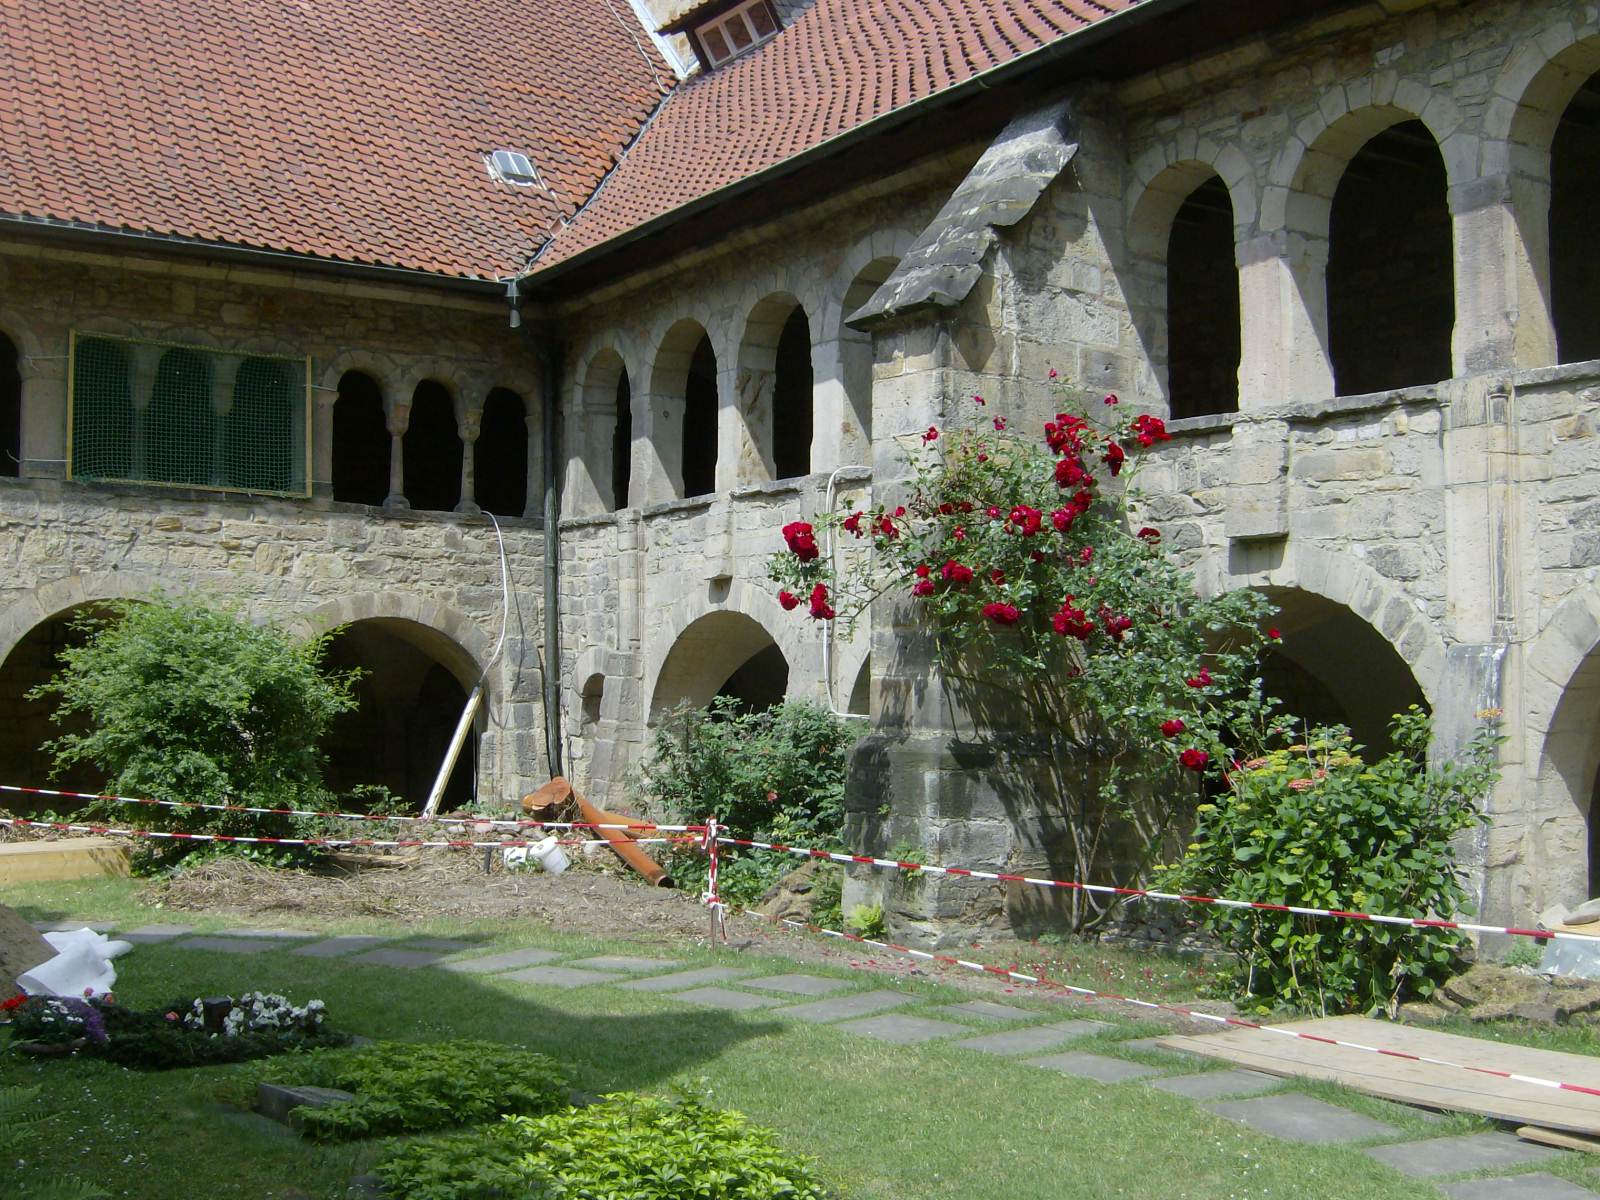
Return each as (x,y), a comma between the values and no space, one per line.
(81,968)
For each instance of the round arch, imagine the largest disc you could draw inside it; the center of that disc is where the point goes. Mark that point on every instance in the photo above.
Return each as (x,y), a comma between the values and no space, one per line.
(748,622)
(444,633)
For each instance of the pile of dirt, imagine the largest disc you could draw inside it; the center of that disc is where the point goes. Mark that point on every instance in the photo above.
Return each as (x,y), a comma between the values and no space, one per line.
(22,948)
(1493,993)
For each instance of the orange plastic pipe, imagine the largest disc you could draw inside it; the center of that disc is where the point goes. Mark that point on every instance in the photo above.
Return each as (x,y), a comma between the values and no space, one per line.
(653,872)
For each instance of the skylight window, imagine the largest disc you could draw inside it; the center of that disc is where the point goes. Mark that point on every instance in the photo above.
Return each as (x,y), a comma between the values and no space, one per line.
(508,166)
(742,28)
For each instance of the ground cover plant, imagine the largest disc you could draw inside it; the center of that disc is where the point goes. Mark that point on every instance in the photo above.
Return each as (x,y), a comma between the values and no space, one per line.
(1316,825)
(402,1088)
(186,700)
(641,1147)
(886,1121)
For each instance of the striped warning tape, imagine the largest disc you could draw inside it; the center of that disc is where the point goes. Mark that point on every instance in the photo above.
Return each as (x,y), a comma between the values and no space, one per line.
(1090,994)
(1151,894)
(499,823)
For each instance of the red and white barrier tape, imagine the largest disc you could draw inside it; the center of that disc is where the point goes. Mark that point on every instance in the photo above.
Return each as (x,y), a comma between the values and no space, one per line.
(169,835)
(499,823)
(1168,897)
(713,898)
(1089,994)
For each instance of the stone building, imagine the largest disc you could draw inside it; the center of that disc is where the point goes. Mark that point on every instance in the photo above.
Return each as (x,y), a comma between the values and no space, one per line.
(1340,245)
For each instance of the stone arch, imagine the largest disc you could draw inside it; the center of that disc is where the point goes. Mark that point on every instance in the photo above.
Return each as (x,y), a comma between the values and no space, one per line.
(683,391)
(775,386)
(1182,234)
(1352,585)
(500,453)
(721,638)
(843,355)
(360,445)
(431,448)
(382,368)
(439,630)
(852,671)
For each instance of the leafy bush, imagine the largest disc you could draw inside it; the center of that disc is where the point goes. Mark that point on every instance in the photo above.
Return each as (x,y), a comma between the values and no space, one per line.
(630,1146)
(175,1036)
(187,701)
(416,1088)
(1316,826)
(776,775)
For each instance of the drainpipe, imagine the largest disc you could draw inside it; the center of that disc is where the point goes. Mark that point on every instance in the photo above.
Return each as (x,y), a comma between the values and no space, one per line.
(553,352)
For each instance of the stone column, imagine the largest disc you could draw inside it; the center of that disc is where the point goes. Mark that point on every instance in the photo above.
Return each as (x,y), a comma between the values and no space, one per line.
(469,424)
(1283,301)
(656,474)
(44,418)
(590,488)
(1502,248)
(838,438)
(224,374)
(744,427)
(397,418)
(533,507)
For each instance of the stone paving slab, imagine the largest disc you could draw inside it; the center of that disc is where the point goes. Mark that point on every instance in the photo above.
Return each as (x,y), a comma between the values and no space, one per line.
(1034,1039)
(902,1030)
(987,1010)
(442,945)
(406,960)
(561,977)
(155,933)
(715,997)
(680,980)
(1214,1085)
(1300,1118)
(1457,1155)
(281,935)
(1152,1045)
(1537,1186)
(625,963)
(799,985)
(857,1004)
(1094,1066)
(510,960)
(336,947)
(228,945)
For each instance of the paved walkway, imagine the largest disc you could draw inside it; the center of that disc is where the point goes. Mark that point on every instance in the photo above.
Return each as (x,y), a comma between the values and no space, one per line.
(1254,1099)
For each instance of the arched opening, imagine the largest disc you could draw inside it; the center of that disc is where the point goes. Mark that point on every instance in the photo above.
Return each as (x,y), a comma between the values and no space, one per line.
(861,692)
(700,421)
(1574,200)
(1391,271)
(1203,339)
(590,700)
(432,450)
(855,351)
(10,409)
(1560,841)
(29,723)
(1332,668)
(259,438)
(410,696)
(722,653)
(180,426)
(361,441)
(102,442)
(792,398)
(500,455)
(622,444)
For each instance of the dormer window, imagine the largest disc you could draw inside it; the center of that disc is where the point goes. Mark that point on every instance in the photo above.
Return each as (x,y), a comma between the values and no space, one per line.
(741,28)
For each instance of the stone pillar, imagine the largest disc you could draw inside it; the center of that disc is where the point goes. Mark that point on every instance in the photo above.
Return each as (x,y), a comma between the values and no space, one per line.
(1283,300)
(44,418)
(1502,248)
(838,436)
(397,418)
(590,489)
(224,374)
(656,474)
(323,400)
(469,424)
(744,427)
(533,507)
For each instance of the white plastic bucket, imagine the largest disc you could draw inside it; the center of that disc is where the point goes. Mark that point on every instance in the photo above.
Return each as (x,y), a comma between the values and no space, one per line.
(549,855)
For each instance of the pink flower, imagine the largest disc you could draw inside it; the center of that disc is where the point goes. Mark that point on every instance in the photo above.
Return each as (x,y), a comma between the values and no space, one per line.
(931,436)
(1001,614)
(789,600)
(802,540)
(994,512)
(977,399)
(959,534)
(1086,555)
(956,574)
(1173,727)
(1194,760)
(171,1016)
(999,424)
(853,522)
(821,610)
(1112,398)
(1203,679)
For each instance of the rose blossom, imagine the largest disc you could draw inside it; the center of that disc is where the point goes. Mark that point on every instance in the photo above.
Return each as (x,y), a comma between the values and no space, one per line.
(1172,727)
(956,573)
(1194,760)
(821,610)
(1001,614)
(802,540)
(1203,679)
(931,436)
(789,600)
(853,522)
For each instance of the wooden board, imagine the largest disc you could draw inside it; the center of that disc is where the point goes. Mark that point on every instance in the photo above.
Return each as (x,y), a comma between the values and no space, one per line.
(1562,1141)
(68,858)
(1419,1083)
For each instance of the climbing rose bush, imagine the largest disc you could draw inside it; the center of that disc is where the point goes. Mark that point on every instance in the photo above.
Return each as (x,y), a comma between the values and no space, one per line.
(1058,617)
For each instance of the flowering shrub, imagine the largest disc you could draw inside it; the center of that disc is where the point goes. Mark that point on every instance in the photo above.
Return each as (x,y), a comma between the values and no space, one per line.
(261,1012)
(54,1020)
(1055,621)
(1314,825)
(257,1025)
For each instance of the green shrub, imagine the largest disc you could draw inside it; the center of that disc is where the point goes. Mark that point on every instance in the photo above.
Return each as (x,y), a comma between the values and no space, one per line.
(636,1147)
(188,701)
(776,775)
(403,1088)
(1316,826)
(866,920)
(164,1038)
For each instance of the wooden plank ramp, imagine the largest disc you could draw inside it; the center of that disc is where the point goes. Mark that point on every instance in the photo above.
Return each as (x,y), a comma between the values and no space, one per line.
(1422,1084)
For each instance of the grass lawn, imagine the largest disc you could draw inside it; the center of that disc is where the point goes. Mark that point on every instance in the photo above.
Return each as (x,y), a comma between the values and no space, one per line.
(885,1122)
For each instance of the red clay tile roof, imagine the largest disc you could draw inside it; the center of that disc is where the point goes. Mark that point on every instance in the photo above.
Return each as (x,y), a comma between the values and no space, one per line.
(343,129)
(842,63)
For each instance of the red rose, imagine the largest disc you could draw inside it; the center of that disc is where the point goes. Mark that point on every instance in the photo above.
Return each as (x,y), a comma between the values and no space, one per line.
(1150,535)
(923,570)
(1062,519)
(1001,614)
(1112,398)
(1062,435)
(1052,373)
(821,610)
(789,601)
(931,436)
(999,424)
(853,522)
(1148,430)
(1026,520)
(1072,622)
(1086,555)
(886,528)
(994,513)
(1113,458)
(977,399)
(1194,760)
(1115,624)
(922,587)
(956,573)
(15,1002)
(1201,680)
(802,540)
(1273,634)
(1173,727)
(959,534)
(997,577)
